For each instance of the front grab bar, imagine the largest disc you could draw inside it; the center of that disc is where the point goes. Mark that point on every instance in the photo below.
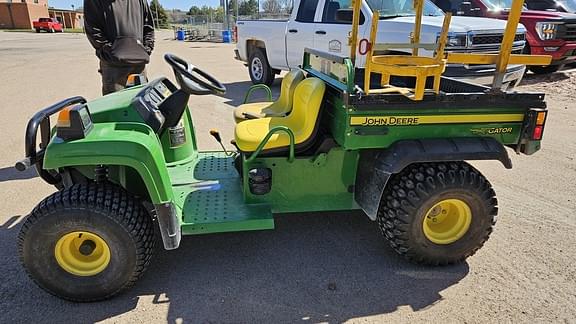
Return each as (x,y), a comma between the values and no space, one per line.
(42,120)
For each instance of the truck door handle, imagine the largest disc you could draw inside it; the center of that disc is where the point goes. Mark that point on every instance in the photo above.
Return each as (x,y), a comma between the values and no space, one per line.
(293,31)
(320,32)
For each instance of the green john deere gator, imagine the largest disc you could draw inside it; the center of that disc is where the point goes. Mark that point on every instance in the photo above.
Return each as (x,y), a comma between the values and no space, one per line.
(127,162)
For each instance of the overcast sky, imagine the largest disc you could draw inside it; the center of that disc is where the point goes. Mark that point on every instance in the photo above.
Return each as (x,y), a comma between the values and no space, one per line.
(168,4)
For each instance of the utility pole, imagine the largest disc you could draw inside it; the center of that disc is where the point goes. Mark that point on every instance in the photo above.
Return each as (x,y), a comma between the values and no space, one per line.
(226,16)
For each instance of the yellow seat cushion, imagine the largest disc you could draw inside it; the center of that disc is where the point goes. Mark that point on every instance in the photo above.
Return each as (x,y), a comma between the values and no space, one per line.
(301,121)
(280,107)
(253,108)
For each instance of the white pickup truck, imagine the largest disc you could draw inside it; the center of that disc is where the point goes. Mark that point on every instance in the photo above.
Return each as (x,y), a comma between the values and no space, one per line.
(269,46)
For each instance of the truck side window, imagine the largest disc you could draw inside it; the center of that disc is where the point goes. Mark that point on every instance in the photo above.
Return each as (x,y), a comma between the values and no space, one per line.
(332,6)
(541,5)
(452,6)
(307,11)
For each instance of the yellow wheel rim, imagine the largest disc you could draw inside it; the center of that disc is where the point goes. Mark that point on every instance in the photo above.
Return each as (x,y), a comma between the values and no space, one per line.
(82,253)
(447,221)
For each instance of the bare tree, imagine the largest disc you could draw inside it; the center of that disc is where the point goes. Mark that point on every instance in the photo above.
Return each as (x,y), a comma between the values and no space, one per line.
(272,6)
(286,5)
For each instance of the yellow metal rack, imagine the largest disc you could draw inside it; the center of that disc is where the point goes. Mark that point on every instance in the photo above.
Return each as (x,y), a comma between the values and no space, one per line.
(421,67)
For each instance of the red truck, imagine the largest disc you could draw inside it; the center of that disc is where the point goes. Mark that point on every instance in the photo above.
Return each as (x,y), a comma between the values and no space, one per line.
(548,32)
(50,25)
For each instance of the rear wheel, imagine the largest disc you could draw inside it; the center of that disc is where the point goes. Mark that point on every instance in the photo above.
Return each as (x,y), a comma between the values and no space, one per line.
(37,30)
(87,242)
(52,30)
(437,213)
(259,69)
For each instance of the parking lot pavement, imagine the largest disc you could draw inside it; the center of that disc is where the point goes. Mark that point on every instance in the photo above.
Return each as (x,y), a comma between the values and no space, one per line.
(329,267)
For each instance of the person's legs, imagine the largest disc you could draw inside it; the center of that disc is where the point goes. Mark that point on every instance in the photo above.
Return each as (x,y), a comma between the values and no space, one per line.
(114,77)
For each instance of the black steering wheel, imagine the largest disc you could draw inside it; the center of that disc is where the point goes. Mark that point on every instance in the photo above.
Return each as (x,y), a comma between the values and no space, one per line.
(193,80)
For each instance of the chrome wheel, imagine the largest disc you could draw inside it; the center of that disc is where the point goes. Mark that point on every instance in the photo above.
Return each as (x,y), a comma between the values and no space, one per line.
(257,68)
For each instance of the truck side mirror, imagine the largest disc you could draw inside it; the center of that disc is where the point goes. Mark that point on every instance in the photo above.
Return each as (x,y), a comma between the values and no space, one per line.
(344,15)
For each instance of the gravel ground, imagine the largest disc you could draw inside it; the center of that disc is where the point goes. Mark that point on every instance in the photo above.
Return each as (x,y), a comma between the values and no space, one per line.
(556,85)
(329,267)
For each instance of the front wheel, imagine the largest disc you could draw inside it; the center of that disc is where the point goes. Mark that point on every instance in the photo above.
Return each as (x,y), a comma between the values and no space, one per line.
(437,213)
(87,242)
(259,69)
(545,69)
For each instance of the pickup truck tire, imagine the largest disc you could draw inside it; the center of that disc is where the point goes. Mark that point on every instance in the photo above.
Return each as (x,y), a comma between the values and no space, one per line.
(545,69)
(259,69)
(52,30)
(87,242)
(437,213)
(37,30)
(540,69)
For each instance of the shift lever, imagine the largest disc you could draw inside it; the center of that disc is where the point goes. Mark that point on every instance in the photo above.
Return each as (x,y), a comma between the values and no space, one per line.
(216,134)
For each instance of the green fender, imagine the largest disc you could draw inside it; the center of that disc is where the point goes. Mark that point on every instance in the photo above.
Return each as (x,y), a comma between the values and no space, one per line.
(375,167)
(133,145)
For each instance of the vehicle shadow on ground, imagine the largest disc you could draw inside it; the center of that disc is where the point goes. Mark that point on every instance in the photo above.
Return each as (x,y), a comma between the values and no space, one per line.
(235,92)
(531,78)
(10,173)
(327,267)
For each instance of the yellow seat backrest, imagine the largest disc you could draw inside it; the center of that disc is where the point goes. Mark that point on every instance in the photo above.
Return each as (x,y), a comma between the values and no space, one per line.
(306,106)
(284,103)
(302,121)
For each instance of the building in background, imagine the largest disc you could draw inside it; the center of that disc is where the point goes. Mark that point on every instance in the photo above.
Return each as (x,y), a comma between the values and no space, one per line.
(21,13)
(68,18)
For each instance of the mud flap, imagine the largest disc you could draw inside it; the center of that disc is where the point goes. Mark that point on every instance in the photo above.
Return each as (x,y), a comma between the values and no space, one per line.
(169,225)
(377,166)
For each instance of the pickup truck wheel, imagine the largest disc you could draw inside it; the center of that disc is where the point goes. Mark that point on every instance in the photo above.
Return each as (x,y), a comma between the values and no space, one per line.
(437,213)
(259,69)
(87,242)
(542,69)
(37,30)
(52,30)
(545,69)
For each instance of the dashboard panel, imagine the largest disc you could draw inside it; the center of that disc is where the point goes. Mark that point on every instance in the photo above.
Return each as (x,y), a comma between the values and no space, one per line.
(148,101)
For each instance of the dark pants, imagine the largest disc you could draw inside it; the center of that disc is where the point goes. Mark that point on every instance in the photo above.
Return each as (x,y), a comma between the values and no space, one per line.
(114,77)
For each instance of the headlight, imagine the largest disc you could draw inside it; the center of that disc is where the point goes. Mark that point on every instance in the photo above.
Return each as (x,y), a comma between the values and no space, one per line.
(547,30)
(455,40)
